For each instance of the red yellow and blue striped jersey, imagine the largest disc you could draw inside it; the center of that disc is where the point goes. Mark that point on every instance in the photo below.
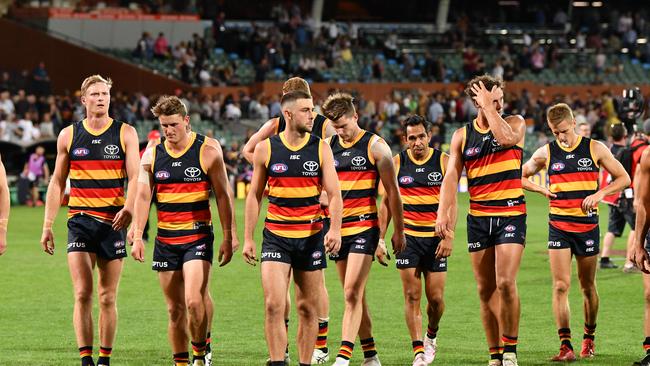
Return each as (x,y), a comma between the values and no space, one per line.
(97,170)
(182,190)
(419,185)
(573,175)
(358,177)
(294,176)
(493,174)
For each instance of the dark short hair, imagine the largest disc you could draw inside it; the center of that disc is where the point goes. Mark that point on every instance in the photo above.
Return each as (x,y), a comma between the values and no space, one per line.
(618,131)
(293,96)
(415,120)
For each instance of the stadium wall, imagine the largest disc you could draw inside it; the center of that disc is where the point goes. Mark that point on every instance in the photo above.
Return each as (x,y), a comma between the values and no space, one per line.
(67,63)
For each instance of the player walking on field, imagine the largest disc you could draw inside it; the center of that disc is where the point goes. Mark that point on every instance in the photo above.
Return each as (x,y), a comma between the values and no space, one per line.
(98,154)
(297,166)
(362,159)
(322,128)
(490,149)
(420,170)
(181,171)
(573,163)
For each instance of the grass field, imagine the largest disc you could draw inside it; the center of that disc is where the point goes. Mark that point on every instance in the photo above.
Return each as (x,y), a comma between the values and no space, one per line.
(36,307)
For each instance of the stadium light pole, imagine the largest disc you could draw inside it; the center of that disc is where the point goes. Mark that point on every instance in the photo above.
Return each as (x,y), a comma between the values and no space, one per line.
(317,14)
(441,16)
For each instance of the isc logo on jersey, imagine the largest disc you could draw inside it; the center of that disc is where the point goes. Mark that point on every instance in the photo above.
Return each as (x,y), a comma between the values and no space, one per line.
(279,168)
(162,175)
(407,179)
(557,166)
(80,151)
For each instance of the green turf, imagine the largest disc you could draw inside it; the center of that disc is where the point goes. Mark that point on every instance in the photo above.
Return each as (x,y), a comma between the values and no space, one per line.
(36,307)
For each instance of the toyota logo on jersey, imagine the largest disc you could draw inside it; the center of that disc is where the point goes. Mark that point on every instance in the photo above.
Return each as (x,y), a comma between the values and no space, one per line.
(585,162)
(192,172)
(310,166)
(435,176)
(358,161)
(111,149)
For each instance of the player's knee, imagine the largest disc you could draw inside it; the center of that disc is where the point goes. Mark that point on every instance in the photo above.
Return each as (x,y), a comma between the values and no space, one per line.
(176,312)
(507,287)
(561,287)
(306,309)
(436,301)
(83,296)
(274,307)
(412,296)
(194,304)
(589,290)
(107,300)
(353,295)
(485,292)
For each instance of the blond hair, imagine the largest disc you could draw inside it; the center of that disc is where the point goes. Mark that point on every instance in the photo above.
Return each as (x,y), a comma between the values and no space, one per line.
(295,84)
(338,105)
(169,106)
(558,113)
(94,79)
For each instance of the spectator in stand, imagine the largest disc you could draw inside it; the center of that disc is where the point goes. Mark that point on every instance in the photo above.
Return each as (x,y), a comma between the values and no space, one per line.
(29,133)
(46,127)
(5,127)
(6,104)
(144,48)
(40,80)
(38,174)
(472,63)
(436,113)
(537,58)
(161,47)
(497,70)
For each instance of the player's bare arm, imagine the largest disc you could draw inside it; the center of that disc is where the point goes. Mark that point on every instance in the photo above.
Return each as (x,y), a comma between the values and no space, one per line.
(331,186)
(444,224)
(329,129)
(4,208)
(640,256)
(384,162)
(55,188)
(446,245)
(123,217)
(212,159)
(384,217)
(509,131)
(620,178)
(231,195)
(142,204)
(253,200)
(267,130)
(536,163)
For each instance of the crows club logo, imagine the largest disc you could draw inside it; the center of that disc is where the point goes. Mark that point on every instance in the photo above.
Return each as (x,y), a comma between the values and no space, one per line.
(435,176)
(407,179)
(80,151)
(162,175)
(510,228)
(279,168)
(358,161)
(472,151)
(310,166)
(557,166)
(111,149)
(584,163)
(192,172)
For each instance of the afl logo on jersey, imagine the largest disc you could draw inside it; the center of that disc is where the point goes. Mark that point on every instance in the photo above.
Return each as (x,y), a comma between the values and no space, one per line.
(407,179)
(336,163)
(557,166)
(162,175)
(589,243)
(80,151)
(111,149)
(584,163)
(279,168)
(473,151)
